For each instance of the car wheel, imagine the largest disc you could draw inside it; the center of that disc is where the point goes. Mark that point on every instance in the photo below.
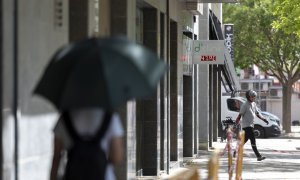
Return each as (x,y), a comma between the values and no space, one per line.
(259,132)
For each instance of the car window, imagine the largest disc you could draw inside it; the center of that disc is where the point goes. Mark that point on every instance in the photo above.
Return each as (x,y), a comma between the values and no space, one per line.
(234,105)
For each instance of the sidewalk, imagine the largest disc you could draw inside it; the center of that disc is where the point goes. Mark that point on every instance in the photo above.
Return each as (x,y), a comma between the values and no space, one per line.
(294,134)
(282,163)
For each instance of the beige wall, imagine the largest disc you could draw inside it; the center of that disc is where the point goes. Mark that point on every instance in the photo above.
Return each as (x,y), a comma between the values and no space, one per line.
(175,8)
(274,106)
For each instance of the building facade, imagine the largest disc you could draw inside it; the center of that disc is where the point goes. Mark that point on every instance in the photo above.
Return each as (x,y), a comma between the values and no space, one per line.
(181,118)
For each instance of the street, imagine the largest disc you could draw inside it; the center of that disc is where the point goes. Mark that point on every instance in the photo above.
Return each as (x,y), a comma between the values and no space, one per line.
(282,159)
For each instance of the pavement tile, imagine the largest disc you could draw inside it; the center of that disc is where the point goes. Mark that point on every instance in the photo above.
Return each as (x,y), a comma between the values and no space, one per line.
(282,159)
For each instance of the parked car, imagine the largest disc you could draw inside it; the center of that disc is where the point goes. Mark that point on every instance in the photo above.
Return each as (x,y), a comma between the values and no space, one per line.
(231,107)
(295,123)
(272,117)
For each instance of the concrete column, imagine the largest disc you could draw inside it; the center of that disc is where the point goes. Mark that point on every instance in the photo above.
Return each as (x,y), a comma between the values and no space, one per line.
(215,101)
(174,122)
(119,16)
(78,19)
(203,107)
(122,22)
(188,124)
(163,100)
(203,90)
(104,17)
(195,106)
(83,18)
(210,105)
(149,108)
(219,101)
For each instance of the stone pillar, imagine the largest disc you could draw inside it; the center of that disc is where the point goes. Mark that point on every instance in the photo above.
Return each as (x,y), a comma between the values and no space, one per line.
(203,90)
(104,17)
(78,19)
(215,101)
(174,122)
(163,100)
(149,109)
(219,101)
(122,22)
(195,106)
(210,104)
(203,107)
(188,128)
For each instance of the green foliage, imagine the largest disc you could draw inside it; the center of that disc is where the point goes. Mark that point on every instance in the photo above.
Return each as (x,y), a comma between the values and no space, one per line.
(257,42)
(288,13)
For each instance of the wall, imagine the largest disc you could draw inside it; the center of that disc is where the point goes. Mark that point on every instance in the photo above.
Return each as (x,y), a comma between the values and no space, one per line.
(7,63)
(39,37)
(295,113)
(274,106)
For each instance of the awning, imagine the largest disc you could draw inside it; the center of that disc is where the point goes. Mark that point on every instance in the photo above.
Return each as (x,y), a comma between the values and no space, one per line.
(217,25)
(229,76)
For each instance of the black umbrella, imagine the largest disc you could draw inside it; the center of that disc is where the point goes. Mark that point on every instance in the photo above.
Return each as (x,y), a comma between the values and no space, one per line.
(100,72)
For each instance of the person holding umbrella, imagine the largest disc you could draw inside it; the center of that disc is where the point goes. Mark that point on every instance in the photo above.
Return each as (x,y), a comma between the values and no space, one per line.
(87,81)
(85,122)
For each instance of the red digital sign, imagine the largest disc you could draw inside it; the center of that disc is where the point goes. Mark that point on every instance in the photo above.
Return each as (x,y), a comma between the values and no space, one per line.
(208,58)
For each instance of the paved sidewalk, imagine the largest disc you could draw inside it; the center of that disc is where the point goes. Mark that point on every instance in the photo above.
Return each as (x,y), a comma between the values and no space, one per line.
(282,163)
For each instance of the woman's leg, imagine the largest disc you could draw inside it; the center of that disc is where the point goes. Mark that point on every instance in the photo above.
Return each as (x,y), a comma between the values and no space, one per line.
(249,133)
(246,135)
(253,143)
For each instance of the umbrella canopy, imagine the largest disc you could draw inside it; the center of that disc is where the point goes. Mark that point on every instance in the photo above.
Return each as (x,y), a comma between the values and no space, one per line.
(100,72)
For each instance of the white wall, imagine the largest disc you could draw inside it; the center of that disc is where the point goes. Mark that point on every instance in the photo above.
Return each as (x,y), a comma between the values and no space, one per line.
(295,108)
(274,106)
(39,38)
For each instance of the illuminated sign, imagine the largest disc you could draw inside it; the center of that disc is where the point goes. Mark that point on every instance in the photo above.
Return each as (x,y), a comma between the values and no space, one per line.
(208,58)
(204,51)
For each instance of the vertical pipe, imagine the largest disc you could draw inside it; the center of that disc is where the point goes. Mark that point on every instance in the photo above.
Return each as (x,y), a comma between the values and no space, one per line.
(1,88)
(15,88)
(168,87)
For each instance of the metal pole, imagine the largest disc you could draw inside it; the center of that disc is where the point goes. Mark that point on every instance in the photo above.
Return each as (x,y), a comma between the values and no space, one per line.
(168,86)
(1,91)
(259,90)
(15,90)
